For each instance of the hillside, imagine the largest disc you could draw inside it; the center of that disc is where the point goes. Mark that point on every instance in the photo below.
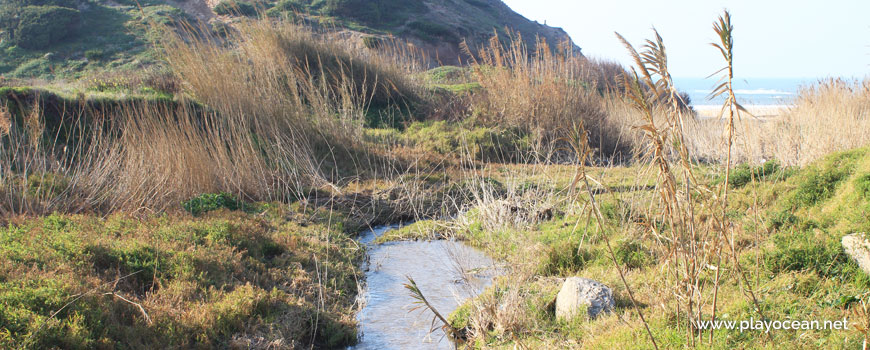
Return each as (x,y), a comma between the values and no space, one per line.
(67,39)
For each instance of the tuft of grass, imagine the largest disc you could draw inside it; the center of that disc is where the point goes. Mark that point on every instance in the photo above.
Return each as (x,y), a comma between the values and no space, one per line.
(211,201)
(633,254)
(744,173)
(200,281)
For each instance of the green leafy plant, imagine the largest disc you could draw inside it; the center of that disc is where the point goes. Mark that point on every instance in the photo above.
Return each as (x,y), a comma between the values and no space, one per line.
(37,27)
(235,8)
(211,201)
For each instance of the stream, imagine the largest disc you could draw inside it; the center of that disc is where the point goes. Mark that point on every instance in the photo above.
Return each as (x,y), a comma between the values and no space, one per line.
(446,271)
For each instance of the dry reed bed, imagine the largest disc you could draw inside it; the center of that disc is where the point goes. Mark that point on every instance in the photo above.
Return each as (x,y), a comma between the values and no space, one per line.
(280,110)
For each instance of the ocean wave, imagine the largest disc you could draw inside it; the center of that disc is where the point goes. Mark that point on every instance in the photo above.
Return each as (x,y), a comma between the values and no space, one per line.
(779,93)
(762,92)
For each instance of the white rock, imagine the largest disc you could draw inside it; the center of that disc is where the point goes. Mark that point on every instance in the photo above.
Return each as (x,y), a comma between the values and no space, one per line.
(582,294)
(858,247)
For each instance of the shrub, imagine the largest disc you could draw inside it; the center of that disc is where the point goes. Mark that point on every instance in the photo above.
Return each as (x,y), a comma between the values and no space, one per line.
(235,8)
(565,258)
(37,27)
(863,186)
(433,31)
(94,55)
(211,201)
(743,174)
(22,3)
(818,186)
(633,254)
(375,12)
(801,251)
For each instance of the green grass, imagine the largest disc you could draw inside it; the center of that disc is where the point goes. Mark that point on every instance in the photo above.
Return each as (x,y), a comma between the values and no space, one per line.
(211,201)
(202,281)
(798,269)
(120,34)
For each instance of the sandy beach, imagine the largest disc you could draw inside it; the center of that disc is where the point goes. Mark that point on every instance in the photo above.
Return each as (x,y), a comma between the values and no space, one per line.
(759,111)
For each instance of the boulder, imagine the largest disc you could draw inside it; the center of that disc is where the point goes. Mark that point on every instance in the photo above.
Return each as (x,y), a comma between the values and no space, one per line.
(583,295)
(857,246)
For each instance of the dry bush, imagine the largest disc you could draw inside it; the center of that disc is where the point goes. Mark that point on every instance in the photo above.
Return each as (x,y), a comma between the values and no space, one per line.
(829,116)
(281,110)
(833,115)
(545,93)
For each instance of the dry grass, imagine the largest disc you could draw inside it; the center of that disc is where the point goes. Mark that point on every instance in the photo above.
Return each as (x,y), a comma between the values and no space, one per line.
(829,116)
(279,110)
(543,94)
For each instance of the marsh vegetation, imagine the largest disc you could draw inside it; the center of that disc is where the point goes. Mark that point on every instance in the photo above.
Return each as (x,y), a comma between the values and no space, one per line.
(215,202)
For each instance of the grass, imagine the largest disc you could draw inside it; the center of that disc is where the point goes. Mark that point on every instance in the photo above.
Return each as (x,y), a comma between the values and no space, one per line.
(121,34)
(803,274)
(211,281)
(215,203)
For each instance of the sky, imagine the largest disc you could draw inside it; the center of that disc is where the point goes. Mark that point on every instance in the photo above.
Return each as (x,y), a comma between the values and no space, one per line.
(772,38)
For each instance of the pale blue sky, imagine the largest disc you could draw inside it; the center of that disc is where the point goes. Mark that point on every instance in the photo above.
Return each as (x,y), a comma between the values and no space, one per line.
(772,38)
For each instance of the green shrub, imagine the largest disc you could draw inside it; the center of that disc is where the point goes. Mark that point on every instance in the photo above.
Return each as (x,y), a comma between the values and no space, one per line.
(46,185)
(291,5)
(22,3)
(633,255)
(863,186)
(564,258)
(744,174)
(94,55)
(235,8)
(481,143)
(139,262)
(804,252)
(433,31)
(781,219)
(450,75)
(378,13)
(37,27)
(211,201)
(816,187)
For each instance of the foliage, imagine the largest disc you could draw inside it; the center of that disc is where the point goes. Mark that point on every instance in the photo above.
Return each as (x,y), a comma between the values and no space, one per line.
(633,254)
(745,173)
(377,13)
(235,8)
(199,282)
(37,27)
(211,201)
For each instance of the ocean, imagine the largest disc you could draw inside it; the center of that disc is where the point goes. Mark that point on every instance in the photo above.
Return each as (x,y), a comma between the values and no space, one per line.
(749,92)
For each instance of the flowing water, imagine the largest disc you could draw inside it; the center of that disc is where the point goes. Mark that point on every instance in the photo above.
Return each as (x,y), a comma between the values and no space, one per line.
(448,272)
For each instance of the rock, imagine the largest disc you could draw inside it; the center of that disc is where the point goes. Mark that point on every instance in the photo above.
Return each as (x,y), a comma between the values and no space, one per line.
(579,294)
(858,247)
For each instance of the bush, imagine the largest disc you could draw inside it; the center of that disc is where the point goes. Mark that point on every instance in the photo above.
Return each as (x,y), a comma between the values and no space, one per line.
(803,251)
(211,201)
(37,27)
(743,174)
(863,186)
(633,255)
(94,55)
(818,186)
(235,8)
(433,31)
(21,3)
(564,258)
(375,12)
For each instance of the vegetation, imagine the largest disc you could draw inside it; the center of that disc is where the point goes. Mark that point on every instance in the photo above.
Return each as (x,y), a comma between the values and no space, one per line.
(37,27)
(228,278)
(214,201)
